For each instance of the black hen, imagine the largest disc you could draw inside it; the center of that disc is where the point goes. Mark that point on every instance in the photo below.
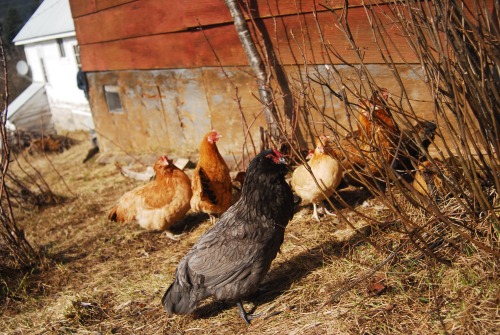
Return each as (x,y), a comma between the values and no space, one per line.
(231,259)
(413,147)
(417,140)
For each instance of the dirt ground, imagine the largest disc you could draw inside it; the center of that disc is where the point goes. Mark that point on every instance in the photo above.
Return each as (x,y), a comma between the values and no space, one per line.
(99,277)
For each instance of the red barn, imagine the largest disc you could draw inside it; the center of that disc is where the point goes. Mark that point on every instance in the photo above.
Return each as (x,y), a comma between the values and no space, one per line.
(160,72)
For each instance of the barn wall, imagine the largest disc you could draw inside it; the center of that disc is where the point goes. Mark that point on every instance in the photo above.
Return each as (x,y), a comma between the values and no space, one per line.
(168,70)
(169,111)
(148,34)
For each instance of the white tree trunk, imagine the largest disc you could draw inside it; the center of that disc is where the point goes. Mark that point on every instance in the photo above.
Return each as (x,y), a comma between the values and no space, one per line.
(257,67)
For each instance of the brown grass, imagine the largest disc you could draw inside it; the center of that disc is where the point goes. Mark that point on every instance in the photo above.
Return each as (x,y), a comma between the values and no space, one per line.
(103,278)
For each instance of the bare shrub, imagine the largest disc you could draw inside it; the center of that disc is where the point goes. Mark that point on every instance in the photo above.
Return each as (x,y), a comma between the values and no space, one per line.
(15,250)
(456,45)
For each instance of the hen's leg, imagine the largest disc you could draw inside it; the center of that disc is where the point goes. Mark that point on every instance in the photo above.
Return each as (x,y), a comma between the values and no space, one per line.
(315,212)
(326,211)
(246,317)
(171,236)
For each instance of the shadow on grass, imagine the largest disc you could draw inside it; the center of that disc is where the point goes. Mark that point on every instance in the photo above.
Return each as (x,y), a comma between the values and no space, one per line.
(153,239)
(13,284)
(97,246)
(281,277)
(351,197)
(189,223)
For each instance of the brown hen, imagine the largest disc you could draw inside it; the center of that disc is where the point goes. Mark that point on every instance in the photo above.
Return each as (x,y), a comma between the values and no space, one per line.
(376,140)
(158,204)
(211,182)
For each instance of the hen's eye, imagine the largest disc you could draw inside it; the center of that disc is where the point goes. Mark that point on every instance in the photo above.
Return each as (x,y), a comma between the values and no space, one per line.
(277,157)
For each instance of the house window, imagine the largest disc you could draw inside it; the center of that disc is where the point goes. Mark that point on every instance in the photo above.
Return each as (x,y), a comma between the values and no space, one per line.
(113,99)
(60,44)
(76,49)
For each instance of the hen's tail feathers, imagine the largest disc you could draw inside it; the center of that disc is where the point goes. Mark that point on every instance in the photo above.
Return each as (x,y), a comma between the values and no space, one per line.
(113,216)
(91,153)
(177,301)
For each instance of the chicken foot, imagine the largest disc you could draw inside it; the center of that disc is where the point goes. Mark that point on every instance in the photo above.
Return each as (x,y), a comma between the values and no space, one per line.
(322,210)
(213,219)
(315,212)
(244,315)
(173,237)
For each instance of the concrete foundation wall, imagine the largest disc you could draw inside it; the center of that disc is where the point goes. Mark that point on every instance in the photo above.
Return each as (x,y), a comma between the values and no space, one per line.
(169,111)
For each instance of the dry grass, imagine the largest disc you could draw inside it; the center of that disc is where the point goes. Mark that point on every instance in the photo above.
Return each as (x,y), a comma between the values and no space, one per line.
(102,278)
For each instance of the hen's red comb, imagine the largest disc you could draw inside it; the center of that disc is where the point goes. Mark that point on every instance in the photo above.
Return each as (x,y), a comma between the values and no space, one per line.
(164,160)
(277,153)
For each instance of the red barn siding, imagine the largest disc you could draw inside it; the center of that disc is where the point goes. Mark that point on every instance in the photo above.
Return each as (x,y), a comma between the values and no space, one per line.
(104,4)
(82,7)
(187,49)
(86,7)
(149,34)
(142,18)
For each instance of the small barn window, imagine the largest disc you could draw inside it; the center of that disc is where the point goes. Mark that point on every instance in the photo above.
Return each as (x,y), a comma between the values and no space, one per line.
(60,44)
(113,99)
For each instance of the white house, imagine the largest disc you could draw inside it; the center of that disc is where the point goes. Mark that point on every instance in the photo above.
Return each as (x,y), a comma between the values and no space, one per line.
(53,101)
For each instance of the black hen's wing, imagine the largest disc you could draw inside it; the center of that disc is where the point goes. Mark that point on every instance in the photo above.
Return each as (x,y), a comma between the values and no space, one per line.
(231,251)
(206,190)
(242,245)
(414,144)
(228,261)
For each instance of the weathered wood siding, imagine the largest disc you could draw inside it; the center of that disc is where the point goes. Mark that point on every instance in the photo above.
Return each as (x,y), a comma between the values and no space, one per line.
(150,34)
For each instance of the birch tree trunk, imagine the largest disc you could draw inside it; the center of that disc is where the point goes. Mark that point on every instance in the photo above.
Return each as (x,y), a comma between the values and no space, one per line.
(257,67)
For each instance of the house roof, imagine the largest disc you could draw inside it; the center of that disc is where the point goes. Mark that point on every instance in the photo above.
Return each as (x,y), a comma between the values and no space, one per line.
(50,21)
(24,97)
